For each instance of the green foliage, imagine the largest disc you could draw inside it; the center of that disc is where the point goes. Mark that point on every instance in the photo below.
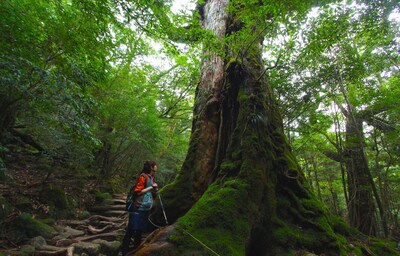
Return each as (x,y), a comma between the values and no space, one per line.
(48,61)
(76,78)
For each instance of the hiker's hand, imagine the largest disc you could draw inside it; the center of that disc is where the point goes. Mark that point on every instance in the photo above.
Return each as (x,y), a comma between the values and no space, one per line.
(155,186)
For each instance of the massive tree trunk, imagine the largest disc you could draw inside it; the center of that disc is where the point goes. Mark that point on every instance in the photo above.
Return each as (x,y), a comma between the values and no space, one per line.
(240,190)
(202,161)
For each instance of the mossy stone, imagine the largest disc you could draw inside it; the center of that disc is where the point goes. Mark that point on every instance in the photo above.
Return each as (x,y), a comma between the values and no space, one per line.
(27,250)
(38,241)
(108,247)
(101,197)
(55,196)
(33,227)
(82,214)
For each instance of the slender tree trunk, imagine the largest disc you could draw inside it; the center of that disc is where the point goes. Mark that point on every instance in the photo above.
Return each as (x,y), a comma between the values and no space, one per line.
(339,143)
(315,169)
(335,201)
(308,171)
(361,184)
(362,213)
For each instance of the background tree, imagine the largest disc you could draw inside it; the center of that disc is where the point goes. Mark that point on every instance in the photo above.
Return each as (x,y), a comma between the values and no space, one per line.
(77,86)
(346,71)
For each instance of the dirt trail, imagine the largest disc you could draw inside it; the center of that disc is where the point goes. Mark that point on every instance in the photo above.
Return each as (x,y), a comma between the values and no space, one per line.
(99,234)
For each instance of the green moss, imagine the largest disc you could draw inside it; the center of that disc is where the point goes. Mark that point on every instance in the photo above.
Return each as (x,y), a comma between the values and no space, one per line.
(55,196)
(242,96)
(357,251)
(221,210)
(33,227)
(48,221)
(313,205)
(305,223)
(383,248)
(340,227)
(82,214)
(101,197)
(292,236)
(227,166)
(292,162)
(27,250)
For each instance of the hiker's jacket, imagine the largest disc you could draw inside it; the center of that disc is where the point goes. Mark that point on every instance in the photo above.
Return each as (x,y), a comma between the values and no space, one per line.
(146,200)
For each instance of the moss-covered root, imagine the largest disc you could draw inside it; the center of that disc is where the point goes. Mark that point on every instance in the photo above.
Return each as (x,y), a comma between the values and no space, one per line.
(215,225)
(157,243)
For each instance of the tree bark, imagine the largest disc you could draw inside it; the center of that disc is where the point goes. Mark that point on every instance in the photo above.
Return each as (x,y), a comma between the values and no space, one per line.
(362,213)
(205,148)
(240,190)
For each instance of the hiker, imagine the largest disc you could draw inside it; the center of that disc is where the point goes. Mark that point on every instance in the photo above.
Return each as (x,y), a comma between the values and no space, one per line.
(146,190)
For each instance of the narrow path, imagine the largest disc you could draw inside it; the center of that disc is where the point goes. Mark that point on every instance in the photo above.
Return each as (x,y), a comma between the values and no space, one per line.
(99,234)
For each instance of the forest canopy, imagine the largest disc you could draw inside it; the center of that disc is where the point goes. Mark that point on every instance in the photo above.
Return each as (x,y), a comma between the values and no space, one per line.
(94,88)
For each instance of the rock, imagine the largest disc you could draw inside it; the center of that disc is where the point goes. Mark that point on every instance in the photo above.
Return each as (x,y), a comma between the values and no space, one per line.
(68,232)
(27,250)
(88,248)
(107,247)
(73,232)
(33,227)
(38,241)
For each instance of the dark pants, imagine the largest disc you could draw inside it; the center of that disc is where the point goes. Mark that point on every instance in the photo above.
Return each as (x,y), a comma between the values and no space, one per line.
(136,225)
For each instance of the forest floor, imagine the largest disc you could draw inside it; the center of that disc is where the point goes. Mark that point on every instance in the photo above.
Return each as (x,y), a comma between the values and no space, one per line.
(80,225)
(28,176)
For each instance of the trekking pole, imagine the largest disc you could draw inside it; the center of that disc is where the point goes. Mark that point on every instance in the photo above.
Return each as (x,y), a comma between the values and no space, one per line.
(162,207)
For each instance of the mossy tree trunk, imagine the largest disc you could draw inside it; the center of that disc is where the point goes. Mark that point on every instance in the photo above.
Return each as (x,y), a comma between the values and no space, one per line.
(362,213)
(240,190)
(361,186)
(205,149)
